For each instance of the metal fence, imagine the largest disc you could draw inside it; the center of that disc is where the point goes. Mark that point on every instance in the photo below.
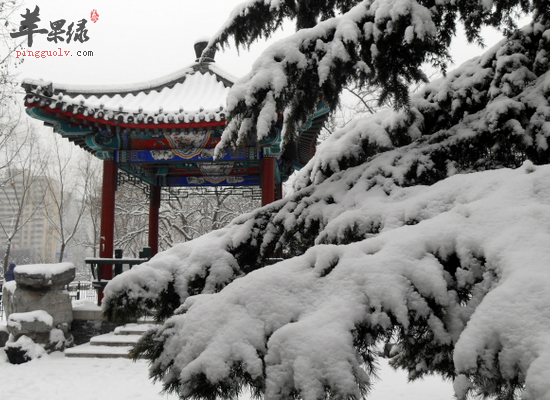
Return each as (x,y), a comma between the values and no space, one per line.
(82,290)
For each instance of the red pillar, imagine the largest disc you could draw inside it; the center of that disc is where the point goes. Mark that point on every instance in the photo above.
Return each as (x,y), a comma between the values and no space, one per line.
(268,180)
(106,242)
(154,207)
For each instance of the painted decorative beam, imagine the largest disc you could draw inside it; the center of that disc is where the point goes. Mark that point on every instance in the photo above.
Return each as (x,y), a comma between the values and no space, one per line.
(180,155)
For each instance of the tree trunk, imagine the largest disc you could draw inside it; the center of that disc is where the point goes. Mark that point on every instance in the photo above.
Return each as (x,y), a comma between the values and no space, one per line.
(7,256)
(62,251)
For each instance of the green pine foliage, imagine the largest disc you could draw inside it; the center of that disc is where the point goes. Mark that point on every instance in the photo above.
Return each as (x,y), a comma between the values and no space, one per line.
(129,307)
(425,144)
(372,43)
(491,113)
(140,298)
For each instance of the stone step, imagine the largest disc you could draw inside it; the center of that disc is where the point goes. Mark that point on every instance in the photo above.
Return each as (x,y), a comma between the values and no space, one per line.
(133,329)
(89,351)
(147,320)
(113,340)
(116,344)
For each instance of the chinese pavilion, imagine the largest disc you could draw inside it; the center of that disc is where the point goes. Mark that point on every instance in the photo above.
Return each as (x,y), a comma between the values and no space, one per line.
(163,133)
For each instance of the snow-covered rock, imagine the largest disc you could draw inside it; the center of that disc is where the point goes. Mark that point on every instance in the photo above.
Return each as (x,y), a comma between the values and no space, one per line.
(34,324)
(45,276)
(40,289)
(24,349)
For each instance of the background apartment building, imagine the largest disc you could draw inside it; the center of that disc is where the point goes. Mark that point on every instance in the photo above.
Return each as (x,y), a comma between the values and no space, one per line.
(26,206)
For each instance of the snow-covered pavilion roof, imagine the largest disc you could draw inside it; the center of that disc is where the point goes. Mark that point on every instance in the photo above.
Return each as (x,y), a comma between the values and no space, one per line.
(164,131)
(193,94)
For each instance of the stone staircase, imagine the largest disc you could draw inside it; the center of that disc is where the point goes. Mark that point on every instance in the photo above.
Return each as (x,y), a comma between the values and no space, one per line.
(116,344)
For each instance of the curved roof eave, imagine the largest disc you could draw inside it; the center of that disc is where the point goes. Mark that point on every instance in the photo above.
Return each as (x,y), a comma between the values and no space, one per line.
(194,94)
(132,88)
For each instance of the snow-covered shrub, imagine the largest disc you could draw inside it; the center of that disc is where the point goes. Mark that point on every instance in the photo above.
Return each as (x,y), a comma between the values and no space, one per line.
(23,349)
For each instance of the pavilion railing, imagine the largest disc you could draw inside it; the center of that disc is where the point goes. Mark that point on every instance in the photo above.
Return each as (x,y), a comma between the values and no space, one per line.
(118,264)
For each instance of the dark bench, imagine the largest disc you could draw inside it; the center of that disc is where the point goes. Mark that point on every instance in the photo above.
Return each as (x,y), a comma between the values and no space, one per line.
(117,264)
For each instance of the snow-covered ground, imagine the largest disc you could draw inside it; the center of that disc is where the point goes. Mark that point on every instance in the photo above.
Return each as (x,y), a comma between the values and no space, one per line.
(55,377)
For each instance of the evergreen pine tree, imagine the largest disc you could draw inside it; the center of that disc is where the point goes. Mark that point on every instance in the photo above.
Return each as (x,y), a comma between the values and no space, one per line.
(398,230)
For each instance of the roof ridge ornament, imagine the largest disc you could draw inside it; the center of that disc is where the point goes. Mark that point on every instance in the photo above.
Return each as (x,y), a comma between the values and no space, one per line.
(204,57)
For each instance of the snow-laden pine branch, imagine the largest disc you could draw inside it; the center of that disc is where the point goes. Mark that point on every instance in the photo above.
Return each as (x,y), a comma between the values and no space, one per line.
(380,43)
(471,249)
(390,233)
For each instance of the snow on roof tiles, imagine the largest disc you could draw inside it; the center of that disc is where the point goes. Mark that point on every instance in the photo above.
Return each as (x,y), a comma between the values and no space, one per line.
(193,94)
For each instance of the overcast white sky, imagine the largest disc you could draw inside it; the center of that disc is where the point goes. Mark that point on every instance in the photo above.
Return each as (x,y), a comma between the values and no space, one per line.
(132,41)
(139,40)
